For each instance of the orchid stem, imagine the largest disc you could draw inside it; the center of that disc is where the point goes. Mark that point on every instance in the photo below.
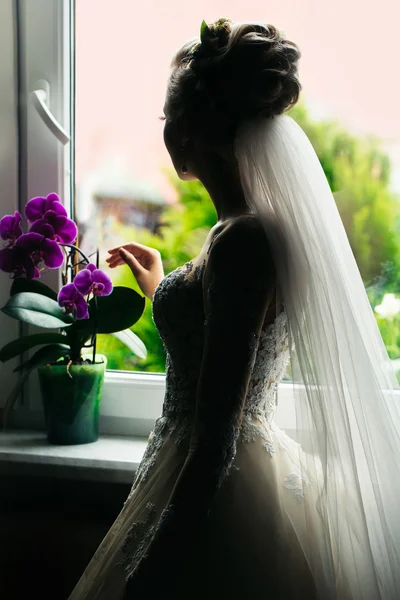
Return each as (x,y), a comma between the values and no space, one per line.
(76,250)
(95,329)
(95,313)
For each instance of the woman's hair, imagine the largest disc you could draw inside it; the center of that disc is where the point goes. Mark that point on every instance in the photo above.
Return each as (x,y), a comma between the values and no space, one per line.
(236,72)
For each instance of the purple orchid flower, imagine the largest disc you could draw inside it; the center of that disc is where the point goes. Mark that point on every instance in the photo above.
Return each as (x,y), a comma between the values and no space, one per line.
(56,227)
(37,207)
(29,250)
(17,260)
(93,280)
(40,248)
(10,227)
(73,302)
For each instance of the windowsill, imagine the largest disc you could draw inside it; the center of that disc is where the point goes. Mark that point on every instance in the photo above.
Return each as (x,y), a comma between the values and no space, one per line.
(111,458)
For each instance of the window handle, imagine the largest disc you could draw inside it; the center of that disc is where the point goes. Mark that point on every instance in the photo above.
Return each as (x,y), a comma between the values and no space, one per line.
(40,99)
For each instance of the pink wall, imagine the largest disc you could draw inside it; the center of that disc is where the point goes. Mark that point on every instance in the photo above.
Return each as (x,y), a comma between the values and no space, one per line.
(349,69)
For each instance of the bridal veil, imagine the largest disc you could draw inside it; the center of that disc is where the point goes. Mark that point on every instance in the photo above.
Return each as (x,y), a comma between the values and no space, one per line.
(346,397)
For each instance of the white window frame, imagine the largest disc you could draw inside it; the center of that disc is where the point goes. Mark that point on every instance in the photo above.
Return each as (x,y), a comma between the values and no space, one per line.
(9,328)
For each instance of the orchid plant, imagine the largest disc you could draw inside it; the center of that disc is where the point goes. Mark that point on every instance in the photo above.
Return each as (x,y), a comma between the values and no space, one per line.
(86,305)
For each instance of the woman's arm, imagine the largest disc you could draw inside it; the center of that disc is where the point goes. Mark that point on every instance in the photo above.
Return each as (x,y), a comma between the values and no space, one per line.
(238,286)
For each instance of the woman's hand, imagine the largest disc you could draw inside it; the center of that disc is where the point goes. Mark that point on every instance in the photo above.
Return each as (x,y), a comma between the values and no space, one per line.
(144,262)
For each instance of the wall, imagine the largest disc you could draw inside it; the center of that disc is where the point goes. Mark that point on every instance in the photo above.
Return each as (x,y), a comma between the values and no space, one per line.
(49,530)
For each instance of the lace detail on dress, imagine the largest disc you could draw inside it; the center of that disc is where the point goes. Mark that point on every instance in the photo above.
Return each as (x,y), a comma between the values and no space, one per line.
(270,364)
(178,314)
(254,427)
(269,367)
(154,444)
(293,482)
(137,538)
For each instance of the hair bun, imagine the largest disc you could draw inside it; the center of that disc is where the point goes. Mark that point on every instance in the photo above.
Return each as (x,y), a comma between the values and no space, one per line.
(234,72)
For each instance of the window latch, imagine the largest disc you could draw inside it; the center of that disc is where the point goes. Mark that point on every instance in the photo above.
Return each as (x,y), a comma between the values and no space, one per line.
(40,99)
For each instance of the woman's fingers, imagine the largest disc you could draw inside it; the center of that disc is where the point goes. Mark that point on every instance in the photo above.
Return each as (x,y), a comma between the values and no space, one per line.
(115,262)
(131,261)
(123,257)
(144,255)
(130,246)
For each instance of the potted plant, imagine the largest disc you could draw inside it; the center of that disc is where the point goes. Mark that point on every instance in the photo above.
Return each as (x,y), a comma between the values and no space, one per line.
(71,374)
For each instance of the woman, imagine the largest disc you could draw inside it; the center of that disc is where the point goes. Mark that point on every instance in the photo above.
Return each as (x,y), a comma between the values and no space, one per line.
(225,504)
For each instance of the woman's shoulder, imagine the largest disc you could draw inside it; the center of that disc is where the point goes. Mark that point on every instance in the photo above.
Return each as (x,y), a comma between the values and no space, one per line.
(242,247)
(248,228)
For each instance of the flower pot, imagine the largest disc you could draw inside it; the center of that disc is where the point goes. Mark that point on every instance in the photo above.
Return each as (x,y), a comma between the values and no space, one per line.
(71,399)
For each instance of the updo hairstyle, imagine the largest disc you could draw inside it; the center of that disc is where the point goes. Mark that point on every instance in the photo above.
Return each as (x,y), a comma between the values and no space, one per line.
(234,73)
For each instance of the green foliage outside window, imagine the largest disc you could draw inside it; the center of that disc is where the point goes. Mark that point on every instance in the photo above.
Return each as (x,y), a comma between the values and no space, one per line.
(358,172)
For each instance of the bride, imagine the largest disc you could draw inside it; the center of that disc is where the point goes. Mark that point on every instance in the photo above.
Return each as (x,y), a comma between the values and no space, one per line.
(224,504)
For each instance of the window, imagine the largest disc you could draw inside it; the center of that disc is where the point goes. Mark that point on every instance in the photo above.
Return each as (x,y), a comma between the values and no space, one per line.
(106,65)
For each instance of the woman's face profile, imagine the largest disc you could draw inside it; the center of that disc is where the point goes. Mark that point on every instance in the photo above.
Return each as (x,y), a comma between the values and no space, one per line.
(173,143)
(173,140)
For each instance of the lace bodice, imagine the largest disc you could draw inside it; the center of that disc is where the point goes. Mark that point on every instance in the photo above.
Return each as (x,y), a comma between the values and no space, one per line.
(179,316)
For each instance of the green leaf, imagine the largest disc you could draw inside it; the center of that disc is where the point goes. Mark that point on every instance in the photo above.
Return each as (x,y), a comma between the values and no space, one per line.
(118,311)
(25,343)
(204,31)
(132,341)
(36,309)
(43,356)
(32,285)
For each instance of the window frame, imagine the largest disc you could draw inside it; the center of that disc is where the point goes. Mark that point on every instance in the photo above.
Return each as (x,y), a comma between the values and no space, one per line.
(9,151)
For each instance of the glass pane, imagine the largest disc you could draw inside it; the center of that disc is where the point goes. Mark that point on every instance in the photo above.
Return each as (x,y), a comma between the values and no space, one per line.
(125,187)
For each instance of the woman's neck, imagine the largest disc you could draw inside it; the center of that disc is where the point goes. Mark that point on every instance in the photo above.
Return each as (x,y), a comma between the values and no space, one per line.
(221,179)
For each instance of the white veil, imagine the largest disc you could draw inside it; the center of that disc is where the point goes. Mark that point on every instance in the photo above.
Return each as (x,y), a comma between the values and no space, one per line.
(346,399)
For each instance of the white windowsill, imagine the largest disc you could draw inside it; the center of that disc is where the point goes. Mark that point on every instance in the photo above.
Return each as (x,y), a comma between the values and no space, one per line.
(111,458)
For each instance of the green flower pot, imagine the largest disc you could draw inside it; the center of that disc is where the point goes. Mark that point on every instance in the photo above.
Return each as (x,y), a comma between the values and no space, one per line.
(71,400)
